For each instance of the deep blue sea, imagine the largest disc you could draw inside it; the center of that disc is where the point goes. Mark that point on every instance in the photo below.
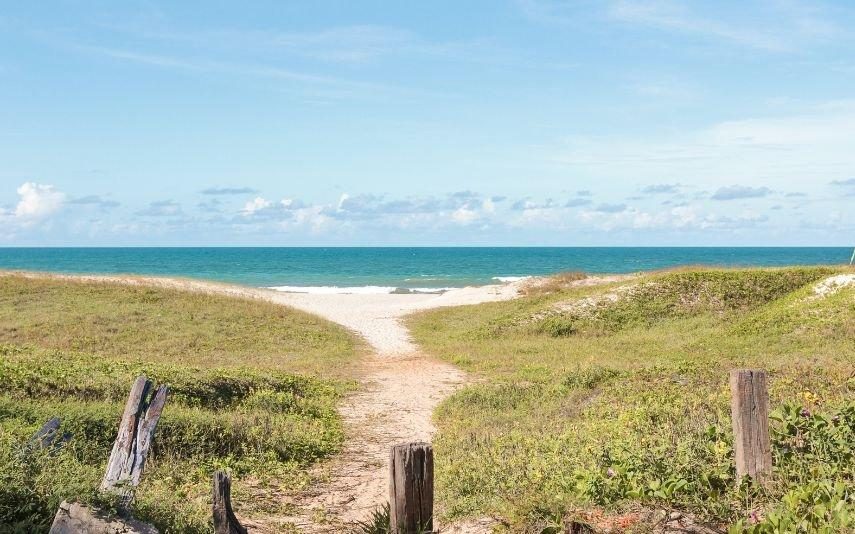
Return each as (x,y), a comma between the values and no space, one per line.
(387,269)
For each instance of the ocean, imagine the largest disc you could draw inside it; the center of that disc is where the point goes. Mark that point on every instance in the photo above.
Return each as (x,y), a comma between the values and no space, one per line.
(385,270)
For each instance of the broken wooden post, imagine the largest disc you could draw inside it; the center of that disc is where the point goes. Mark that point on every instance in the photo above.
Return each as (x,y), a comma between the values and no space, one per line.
(411,488)
(132,445)
(225,521)
(749,409)
(130,450)
(48,436)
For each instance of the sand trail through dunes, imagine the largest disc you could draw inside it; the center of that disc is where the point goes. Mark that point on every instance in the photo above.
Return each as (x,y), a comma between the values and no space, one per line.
(400,390)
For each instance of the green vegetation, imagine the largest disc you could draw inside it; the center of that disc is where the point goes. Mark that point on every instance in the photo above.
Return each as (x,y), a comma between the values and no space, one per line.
(606,404)
(245,395)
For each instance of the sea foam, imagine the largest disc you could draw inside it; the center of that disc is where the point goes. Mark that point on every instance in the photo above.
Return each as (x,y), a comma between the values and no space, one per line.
(510,278)
(357,290)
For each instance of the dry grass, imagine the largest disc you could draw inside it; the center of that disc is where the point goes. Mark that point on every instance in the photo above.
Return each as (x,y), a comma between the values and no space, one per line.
(253,388)
(157,325)
(552,283)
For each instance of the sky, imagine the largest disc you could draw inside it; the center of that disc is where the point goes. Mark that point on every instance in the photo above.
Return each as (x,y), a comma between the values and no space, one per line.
(519,122)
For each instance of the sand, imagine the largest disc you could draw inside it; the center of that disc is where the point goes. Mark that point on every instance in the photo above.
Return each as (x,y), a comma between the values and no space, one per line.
(400,390)
(833,284)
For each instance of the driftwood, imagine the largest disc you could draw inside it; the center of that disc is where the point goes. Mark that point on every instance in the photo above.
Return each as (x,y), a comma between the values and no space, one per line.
(133,442)
(225,521)
(411,488)
(130,450)
(75,518)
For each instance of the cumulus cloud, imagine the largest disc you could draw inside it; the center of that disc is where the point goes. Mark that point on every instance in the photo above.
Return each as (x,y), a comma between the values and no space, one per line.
(37,201)
(256,205)
(228,191)
(161,208)
(735,192)
(850,181)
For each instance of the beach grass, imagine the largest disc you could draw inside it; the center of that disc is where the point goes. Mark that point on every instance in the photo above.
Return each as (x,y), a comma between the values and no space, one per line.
(609,404)
(253,389)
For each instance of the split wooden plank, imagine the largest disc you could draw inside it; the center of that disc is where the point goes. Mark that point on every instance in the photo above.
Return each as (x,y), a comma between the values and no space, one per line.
(133,442)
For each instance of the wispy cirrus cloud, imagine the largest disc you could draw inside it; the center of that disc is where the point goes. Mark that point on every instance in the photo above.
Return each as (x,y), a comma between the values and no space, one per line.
(321,85)
(775,27)
(806,140)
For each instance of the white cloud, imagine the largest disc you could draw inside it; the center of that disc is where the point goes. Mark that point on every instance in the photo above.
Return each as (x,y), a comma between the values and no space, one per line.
(776,26)
(255,205)
(464,215)
(37,201)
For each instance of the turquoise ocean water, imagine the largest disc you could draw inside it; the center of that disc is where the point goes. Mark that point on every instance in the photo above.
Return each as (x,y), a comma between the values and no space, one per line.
(388,269)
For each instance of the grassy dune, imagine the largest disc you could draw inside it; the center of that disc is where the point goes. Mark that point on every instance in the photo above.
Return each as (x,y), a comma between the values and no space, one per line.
(609,403)
(253,389)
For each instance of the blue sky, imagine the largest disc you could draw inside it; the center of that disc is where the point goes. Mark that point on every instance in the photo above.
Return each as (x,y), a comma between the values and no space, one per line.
(529,122)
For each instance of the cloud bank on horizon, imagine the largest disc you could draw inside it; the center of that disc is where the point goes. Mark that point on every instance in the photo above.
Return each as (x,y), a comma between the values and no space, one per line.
(625,122)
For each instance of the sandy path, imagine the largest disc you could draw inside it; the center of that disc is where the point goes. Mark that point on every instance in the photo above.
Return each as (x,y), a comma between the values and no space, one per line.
(401,389)
(399,394)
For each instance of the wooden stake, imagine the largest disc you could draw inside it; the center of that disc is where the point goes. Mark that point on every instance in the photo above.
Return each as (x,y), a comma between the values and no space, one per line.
(133,442)
(411,488)
(749,408)
(225,521)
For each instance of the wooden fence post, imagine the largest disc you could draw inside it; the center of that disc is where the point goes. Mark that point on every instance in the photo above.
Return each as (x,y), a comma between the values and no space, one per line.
(130,450)
(225,521)
(136,431)
(411,488)
(749,409)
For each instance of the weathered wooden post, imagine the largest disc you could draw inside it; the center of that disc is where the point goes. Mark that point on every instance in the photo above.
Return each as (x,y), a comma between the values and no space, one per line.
(136,431)
(411,488)
(749,409)
(130,450)
(225,521)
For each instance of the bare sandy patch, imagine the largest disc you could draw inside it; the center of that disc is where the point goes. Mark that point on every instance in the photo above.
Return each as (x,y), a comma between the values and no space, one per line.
(833,284)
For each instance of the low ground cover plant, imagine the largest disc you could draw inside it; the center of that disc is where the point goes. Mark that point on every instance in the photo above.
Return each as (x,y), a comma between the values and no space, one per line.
(246,395)
(610,404)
